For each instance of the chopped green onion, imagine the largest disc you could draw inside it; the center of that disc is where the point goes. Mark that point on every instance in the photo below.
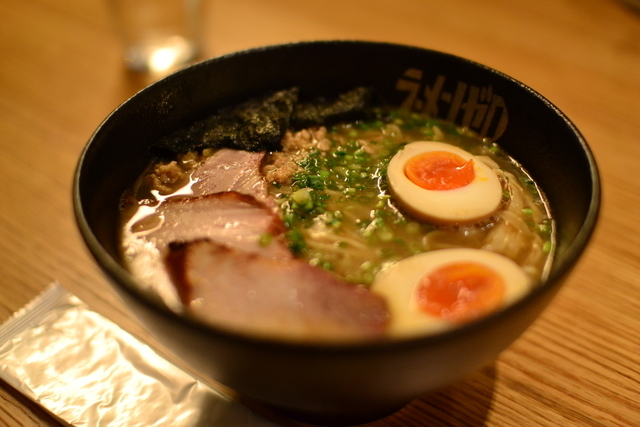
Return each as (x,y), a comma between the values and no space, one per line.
(297,245)
(265,239)
(301,196)
(385,235)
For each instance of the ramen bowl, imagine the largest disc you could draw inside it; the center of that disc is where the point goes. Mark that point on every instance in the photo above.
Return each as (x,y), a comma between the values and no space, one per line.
(346,382)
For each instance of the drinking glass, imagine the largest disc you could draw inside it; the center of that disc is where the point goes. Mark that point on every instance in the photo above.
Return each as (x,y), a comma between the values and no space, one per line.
(159,36)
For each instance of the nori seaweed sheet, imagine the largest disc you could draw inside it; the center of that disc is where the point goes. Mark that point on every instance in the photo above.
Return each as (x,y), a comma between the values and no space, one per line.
(260,124)
(349,106)
(254,125)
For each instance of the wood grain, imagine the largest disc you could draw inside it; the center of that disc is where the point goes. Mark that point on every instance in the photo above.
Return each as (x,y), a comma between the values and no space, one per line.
(61,73)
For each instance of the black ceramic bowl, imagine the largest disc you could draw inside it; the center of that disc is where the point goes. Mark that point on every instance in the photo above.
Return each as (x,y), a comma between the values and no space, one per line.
(345,383)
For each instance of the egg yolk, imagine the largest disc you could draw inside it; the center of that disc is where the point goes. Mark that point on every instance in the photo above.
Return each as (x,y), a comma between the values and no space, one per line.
(460,291)
(439,170)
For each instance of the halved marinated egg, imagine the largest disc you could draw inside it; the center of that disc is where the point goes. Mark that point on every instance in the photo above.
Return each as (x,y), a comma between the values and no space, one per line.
(439,182)
(441,289)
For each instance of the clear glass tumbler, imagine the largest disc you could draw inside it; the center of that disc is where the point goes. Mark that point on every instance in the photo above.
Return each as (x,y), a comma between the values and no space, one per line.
(159,36)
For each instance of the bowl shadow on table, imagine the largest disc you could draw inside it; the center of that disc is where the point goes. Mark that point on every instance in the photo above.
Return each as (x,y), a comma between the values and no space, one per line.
(464,403)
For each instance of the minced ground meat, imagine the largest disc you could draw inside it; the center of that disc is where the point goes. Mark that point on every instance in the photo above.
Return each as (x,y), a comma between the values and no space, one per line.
(166,177)
(280,166)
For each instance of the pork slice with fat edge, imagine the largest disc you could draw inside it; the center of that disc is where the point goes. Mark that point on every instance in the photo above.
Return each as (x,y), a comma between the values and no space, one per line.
(274,297)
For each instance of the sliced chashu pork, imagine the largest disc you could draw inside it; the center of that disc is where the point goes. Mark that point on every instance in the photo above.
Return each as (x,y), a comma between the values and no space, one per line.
(275,297)
(225,275)
(230,218)
(233,170)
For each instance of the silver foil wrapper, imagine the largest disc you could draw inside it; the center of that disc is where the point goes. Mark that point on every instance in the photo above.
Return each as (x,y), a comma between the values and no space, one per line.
(87,371)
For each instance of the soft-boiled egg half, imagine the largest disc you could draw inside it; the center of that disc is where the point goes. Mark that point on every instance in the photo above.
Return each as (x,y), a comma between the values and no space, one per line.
(439,290)
(442,183)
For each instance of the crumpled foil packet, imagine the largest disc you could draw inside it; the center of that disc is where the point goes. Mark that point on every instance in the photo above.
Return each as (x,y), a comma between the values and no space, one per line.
(87,371)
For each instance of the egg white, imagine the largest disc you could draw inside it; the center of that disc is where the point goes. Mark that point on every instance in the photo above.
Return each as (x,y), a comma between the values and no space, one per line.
(479,199)
(398,283)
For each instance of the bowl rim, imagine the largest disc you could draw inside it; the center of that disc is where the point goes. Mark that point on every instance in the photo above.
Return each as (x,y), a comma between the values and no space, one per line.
(118,275)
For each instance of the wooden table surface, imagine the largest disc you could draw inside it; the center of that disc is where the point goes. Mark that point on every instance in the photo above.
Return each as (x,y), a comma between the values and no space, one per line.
(61,73)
